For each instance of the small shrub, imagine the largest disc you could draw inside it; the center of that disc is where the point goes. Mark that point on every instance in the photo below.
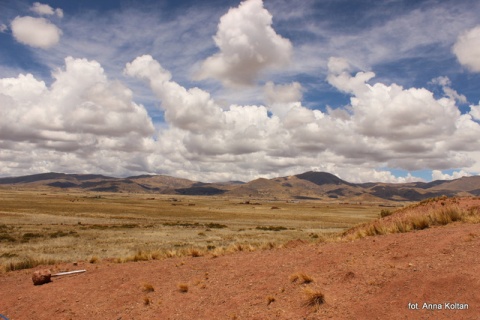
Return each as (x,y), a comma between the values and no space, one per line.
(301,278)
(270,299)
(94,259)
(147,287)
(147,301)
(215,225)
(28,263)
(385,213)
(314,298)
(128,226)
(183,287)
(139,256)
(271,228)
(420,223)
(447,215)
(7,238)
(8,255)
(194,252)
(59,234)
(29,235)
(401,226)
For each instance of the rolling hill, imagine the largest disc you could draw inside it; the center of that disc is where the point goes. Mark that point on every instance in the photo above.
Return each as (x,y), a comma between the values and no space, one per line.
(308,185)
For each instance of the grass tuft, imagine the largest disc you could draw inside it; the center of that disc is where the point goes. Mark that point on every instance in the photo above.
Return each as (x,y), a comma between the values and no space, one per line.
(147,287)
(183,287)
(301,278)
(194,252)
(270,299)
(314,298)
(94,259)
(147,301)
(28,263)
(440,216)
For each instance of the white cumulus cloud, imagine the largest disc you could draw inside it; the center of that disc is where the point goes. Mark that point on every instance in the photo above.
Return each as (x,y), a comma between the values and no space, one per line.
(475,112)
(282,98)
(248,44)
(439,175)
(445,83)
(384,126)
(45,9)
(467,49)
(35,32)
(82,115)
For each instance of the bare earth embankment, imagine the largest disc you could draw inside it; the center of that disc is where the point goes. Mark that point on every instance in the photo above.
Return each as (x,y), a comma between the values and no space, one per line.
(360,277)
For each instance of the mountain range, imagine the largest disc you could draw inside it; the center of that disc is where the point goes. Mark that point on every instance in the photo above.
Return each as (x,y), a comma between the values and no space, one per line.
(308,185)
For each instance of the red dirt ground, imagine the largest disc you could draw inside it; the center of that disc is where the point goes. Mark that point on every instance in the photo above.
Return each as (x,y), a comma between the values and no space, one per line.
(371,278)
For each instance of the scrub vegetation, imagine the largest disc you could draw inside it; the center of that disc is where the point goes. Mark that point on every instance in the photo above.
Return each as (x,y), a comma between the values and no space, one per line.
(45,226)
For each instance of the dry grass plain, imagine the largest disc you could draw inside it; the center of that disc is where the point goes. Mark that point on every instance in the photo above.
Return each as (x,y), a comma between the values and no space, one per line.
(50,226)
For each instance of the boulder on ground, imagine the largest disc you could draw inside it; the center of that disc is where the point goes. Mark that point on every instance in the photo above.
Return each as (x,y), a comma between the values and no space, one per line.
(40,277)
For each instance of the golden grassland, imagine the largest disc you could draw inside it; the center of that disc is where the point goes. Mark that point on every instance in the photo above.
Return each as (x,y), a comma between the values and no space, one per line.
(50,226)
(425,214)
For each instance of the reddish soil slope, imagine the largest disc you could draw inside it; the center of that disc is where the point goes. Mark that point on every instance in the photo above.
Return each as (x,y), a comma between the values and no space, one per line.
(372,278)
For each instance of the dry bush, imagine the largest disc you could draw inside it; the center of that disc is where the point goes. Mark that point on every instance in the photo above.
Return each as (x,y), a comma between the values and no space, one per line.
(314,298)
(268,245)
(171,253)
(194,252)
(270,299)
(147,287)
(28,263)
(446,215)
(146,301)
(94,259)
(301,278)
(183,287)
(417,221)
(385,213)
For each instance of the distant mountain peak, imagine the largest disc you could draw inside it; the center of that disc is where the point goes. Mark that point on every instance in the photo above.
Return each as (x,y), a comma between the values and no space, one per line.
(322,178)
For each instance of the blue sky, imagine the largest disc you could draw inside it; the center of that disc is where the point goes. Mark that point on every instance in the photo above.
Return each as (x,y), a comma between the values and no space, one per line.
(236,90)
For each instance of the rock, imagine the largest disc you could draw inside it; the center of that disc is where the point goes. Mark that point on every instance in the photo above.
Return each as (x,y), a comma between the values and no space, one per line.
(40,277)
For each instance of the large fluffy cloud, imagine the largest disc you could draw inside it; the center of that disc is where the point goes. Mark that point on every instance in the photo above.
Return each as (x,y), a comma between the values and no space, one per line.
(384,126)
(85,122)
(35,32)
(406,128)
(467,49)
(205,128)
(82,114)
(248,44)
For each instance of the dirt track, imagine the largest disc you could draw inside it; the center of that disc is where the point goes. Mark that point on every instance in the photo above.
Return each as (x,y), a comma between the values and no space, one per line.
(371,278)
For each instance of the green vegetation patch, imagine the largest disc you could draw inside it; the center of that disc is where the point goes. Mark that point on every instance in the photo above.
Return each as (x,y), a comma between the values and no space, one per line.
(30,235)
(7,238)
(210,225)
(271,228)
(59,234)
(385,213)
(106,227)
(215,225)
